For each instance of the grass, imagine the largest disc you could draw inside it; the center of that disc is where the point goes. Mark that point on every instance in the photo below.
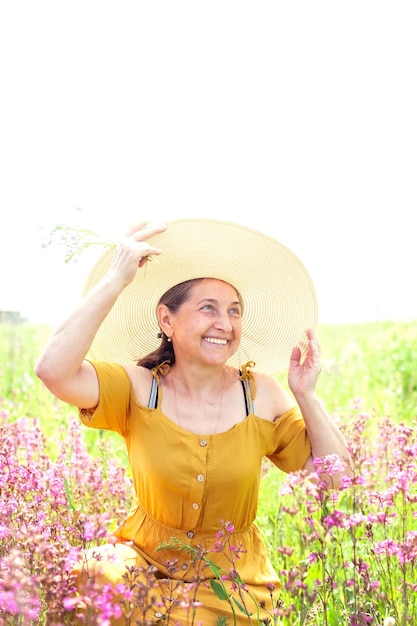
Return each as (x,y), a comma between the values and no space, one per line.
(22,393)
(347,559)
(376,362)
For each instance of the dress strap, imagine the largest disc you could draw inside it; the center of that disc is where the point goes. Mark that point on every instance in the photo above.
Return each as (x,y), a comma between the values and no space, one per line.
(249,386)
(153,396)
(162,368)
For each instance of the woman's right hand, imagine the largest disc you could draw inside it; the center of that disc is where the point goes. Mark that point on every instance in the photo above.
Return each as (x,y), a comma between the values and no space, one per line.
(133,251)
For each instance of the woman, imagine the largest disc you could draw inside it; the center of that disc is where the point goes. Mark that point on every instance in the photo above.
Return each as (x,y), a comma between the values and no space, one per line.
(196,414)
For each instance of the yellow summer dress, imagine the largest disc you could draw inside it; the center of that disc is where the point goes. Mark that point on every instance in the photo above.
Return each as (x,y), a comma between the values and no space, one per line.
(186,487)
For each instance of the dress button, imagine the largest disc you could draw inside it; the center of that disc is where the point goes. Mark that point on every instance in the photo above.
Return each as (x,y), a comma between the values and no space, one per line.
(203,442)
(200,478)
(196,505)
(190,534)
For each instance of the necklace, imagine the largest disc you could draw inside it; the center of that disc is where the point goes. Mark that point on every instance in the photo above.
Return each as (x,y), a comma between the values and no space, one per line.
(218,414)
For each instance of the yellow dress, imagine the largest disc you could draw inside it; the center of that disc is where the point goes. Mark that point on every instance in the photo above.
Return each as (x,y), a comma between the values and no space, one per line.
(186,487)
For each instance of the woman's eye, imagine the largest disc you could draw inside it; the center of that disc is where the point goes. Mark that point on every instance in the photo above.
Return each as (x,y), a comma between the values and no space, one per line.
(235,312)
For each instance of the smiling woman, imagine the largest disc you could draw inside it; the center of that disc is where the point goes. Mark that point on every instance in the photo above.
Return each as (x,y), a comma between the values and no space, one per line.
(208,308)
(178,336)
(274,287)
(207,326)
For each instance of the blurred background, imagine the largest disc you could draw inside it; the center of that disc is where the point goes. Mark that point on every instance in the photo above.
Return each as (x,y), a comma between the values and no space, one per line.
(295,118)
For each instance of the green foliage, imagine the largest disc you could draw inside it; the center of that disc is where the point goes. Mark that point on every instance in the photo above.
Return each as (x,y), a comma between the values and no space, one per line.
(23,394)
(354,552)
(375,362)
(349,559)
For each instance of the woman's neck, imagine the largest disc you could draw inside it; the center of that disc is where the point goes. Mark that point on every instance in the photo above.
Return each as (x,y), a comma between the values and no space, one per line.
(199,381)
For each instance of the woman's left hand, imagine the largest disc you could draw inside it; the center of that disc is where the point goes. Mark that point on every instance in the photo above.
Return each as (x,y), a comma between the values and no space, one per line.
(303,375)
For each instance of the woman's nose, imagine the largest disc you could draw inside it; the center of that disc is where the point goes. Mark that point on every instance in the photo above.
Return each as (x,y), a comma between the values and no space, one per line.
(223,321)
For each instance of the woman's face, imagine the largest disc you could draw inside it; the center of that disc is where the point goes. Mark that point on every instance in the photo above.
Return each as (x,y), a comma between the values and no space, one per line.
(208,326)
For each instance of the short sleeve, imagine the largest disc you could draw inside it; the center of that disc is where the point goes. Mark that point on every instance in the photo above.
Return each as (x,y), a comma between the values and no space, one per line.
(114,406)
(290,441)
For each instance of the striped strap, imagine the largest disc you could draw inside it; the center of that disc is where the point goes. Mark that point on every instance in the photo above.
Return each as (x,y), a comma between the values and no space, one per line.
(153,396)
(247,393)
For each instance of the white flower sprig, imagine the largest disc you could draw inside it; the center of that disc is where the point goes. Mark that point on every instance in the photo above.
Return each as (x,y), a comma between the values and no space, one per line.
(75,240)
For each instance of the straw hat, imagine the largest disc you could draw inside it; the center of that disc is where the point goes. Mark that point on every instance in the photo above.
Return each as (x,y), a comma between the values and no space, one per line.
(279,299)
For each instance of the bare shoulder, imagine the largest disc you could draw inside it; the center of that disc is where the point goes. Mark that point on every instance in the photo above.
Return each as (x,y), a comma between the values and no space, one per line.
(141,380)
(271,400)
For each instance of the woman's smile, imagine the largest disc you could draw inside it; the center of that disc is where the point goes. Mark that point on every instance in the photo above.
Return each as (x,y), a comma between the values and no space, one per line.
(214,340)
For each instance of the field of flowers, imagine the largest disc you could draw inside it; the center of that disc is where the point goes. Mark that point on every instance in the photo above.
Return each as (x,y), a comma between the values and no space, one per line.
(347,557)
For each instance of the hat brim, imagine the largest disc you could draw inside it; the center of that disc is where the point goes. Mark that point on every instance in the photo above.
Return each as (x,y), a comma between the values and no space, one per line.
(278,295)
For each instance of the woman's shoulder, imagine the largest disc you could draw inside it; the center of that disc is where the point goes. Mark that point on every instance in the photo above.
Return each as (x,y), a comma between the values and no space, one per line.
(140,381)
(271,399)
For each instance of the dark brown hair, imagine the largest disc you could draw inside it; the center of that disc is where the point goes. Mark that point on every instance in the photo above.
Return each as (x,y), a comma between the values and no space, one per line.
(173,299)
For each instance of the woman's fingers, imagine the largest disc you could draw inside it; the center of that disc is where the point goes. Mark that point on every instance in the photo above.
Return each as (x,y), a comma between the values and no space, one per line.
(144,230)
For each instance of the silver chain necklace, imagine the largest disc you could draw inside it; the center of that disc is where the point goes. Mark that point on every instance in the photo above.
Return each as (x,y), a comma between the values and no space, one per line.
(220,406)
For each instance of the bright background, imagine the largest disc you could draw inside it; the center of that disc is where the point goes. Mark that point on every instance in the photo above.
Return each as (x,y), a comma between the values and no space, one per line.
(296,118)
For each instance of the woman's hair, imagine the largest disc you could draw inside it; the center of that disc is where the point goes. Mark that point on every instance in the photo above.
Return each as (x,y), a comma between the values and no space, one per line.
(173,299)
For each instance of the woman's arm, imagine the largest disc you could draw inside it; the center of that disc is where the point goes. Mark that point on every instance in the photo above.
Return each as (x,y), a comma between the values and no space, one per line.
(325,437)
(61,366)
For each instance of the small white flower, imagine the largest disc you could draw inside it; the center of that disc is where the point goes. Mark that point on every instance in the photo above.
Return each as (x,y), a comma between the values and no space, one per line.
(74,239)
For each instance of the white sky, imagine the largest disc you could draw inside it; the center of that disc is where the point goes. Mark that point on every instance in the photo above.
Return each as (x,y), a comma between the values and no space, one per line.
(296,118)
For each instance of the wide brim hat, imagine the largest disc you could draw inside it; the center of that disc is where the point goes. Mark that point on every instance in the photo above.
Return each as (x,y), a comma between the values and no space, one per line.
(279,299)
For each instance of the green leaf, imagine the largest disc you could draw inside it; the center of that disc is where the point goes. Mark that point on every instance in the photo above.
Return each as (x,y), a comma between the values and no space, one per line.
(69,494)
(219,589)
(241,607)
(217,571)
